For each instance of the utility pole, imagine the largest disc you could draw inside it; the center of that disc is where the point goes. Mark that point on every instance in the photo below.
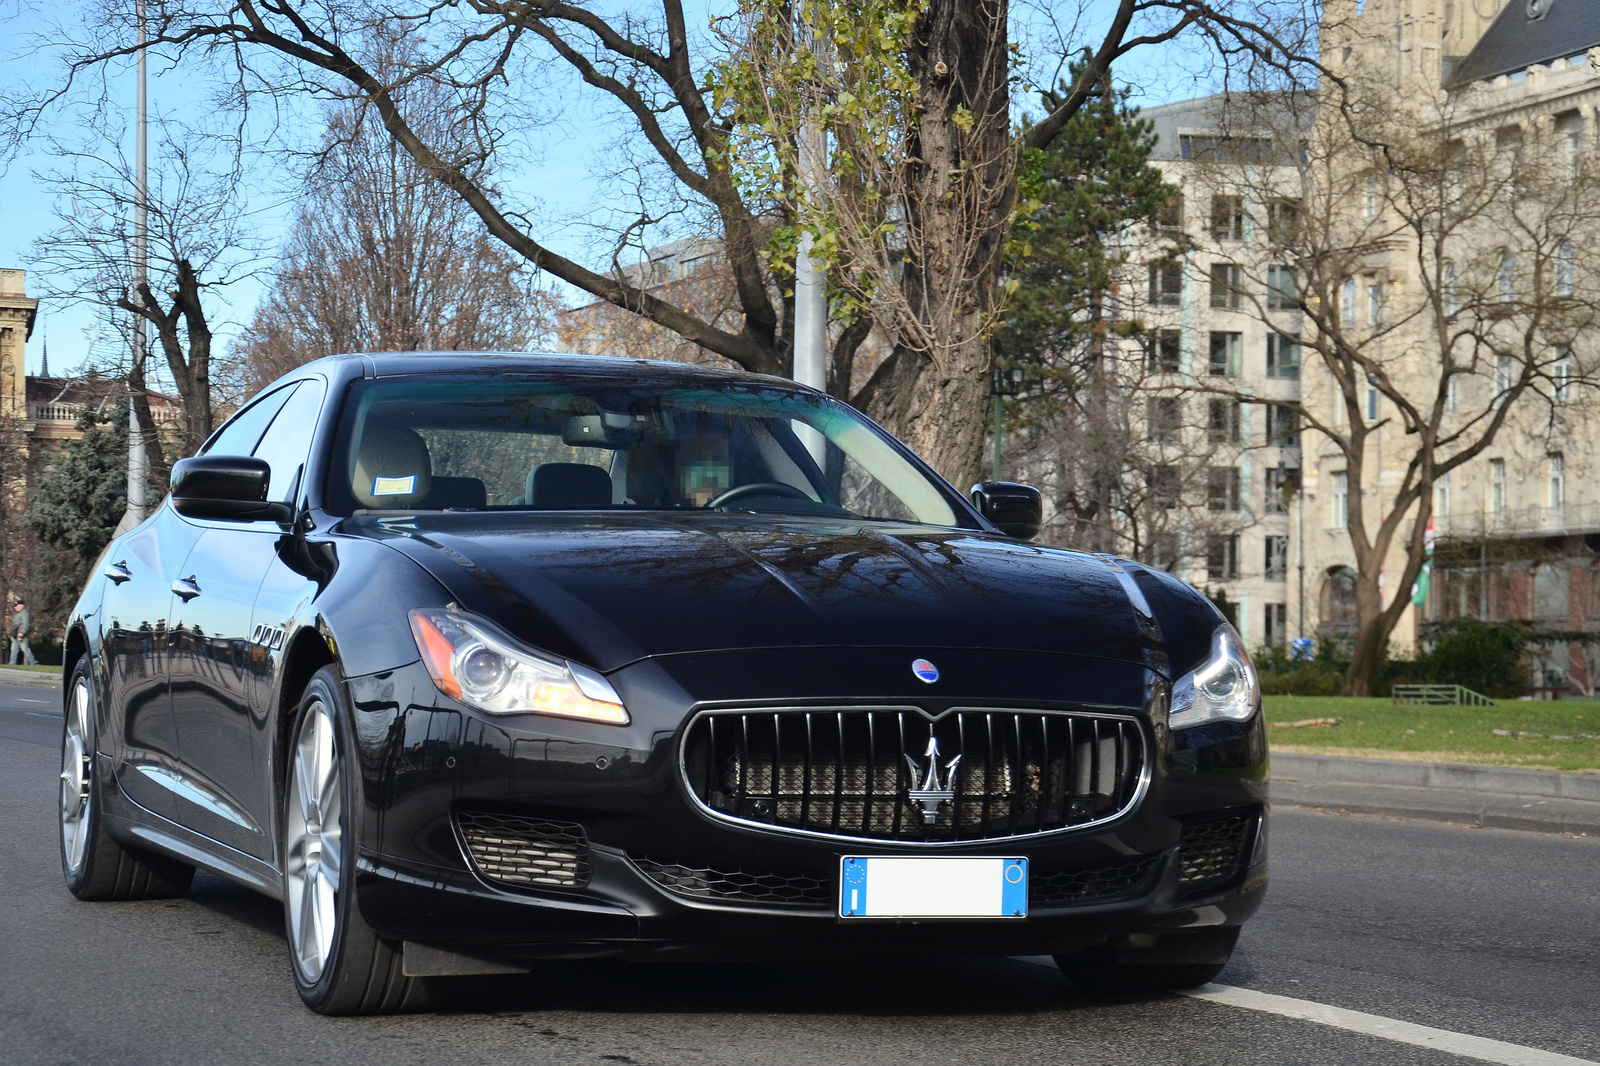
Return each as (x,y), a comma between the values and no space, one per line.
(810,284)
(138,464)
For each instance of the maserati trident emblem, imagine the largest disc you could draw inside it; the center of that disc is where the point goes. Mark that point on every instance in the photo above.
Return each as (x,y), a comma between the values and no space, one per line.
(932,793)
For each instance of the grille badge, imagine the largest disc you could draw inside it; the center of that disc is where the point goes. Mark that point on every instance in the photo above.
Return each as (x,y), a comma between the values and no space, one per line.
(925,670)
(932,793)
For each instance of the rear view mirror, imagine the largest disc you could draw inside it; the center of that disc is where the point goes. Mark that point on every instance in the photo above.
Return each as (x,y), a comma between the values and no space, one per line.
(232,488)
(1017,510)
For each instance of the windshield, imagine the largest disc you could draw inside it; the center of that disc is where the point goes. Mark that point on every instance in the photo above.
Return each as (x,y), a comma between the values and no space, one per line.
(452,444)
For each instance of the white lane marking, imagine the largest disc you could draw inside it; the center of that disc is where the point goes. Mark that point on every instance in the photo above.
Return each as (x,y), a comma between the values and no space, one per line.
(24,699)
(1472,1047)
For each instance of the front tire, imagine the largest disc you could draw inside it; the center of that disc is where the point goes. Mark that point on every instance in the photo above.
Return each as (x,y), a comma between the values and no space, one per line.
(340,965)
(95,865)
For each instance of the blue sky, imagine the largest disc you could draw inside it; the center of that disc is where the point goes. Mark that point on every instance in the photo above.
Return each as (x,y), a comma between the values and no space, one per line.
(557,177)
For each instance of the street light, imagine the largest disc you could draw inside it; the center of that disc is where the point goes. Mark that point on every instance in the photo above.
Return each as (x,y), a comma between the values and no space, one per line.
(1006,381)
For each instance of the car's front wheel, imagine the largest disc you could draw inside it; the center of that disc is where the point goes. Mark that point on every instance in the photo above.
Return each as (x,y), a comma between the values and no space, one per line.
(1177,960)
(97,866)
(340,965)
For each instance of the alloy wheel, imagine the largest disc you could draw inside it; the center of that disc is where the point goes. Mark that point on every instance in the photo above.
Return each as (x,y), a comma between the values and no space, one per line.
(314,834)
(77,768)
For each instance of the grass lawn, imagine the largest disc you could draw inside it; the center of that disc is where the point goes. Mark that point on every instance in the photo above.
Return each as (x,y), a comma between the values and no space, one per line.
(35,669)
(1377,728)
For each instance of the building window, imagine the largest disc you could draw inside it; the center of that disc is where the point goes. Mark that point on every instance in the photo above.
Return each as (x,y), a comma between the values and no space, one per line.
(1502,377)
(1169,216)
(1281,290)
(1450,283)
(1369,205)
(1163,351)
(1226,288)
(1163,553)
(1374,302)
(1222,488)
(1497,485)
(1372,401)
(1441,494)
(1452,394)
(1275,630)
(1347,302)
(1507,277)
(1340,499)
(1561,374)
(1222,558)
(1569,142)
(1166,418)
(1223,423)
(1564,269)
(1283,425)
(1277,562)
(1164,485)
(1226,354)
(1166,284)
(1283,221)
(1283,356)
(1558,481)
(1227,218)
(1280,486)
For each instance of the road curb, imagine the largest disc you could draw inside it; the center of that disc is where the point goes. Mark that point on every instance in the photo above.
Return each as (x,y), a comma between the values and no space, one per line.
(1501,797)
(28,677)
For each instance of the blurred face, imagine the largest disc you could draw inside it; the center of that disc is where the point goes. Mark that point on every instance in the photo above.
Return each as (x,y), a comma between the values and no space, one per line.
(703,470)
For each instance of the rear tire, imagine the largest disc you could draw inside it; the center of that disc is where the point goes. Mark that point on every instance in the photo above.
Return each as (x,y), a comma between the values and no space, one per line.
(1178,961)
(340,965)
(95,865)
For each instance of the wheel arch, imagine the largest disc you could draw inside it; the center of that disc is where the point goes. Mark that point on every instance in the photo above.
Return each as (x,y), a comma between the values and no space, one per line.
(308,651)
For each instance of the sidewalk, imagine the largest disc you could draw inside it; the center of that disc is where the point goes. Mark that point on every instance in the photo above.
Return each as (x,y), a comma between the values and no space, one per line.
(1544,801)
(9,676)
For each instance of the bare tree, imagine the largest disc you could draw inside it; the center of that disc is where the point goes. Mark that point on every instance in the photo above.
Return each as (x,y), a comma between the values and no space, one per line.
(1435,270)
(200,241)
(381,258)
(650,67)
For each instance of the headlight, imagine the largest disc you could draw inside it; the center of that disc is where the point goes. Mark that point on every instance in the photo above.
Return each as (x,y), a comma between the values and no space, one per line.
(472,661)
(1223,688)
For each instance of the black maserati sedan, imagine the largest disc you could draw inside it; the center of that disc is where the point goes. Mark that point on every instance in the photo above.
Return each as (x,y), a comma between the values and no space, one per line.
(480,660)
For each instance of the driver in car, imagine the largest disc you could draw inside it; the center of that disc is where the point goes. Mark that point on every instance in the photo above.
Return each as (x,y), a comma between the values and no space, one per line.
(702,469)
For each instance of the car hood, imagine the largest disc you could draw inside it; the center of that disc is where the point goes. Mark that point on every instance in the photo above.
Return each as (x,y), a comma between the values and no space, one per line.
(611,589)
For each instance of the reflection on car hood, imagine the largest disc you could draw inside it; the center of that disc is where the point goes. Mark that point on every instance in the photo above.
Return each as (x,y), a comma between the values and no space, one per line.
(611,589)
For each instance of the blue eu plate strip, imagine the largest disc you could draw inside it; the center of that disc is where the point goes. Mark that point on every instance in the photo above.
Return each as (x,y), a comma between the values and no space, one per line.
(853,887)
(1014,893)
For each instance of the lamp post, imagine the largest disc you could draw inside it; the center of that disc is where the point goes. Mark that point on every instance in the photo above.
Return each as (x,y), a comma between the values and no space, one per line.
(1006,381)
(138,463)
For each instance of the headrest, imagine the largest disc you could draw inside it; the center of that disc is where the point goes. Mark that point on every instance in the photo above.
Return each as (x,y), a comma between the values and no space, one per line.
(392,468)
(568,487)
(467,492)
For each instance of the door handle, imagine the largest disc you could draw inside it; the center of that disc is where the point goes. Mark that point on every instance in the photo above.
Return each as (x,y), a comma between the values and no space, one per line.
(118,573)
(185,588)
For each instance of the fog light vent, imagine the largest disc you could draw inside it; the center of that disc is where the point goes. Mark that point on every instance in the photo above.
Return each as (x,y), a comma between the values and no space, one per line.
(1067,887)
(731,885)
(1209,852)
(524,852)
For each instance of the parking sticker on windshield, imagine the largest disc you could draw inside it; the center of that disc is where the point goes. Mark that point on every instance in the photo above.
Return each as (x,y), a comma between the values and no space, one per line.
(394,486)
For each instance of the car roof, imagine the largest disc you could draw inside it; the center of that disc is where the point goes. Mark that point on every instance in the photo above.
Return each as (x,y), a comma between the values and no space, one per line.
(542,364)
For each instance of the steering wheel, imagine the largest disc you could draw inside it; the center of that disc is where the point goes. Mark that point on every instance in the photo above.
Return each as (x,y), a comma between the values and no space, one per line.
(759,488)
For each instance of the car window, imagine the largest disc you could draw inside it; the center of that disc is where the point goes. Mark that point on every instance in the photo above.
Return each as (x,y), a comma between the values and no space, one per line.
(464,444)
(243,431)
(288,439)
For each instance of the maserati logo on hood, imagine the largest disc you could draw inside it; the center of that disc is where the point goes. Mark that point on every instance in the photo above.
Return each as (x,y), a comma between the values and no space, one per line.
(931,793)
(925,670)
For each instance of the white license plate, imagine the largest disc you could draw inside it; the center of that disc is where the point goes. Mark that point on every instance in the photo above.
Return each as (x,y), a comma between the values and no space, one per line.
(885,886)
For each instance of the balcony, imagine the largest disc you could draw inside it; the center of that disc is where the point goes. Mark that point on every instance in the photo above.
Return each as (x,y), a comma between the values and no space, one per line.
(1518,522)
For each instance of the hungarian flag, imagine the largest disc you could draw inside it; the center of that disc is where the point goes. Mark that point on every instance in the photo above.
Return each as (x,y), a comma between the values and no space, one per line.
(1419,591)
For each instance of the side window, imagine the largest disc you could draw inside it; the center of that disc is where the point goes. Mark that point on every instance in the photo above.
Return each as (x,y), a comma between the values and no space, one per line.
(288,440)
(240,435)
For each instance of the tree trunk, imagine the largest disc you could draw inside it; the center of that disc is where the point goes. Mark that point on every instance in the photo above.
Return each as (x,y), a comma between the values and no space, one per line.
(933,390)
(157,471)
(1373,626)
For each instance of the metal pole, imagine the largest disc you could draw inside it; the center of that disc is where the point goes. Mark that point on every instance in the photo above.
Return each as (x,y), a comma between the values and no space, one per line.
(138,465)
(998,404)
(810,285)
(1300,494)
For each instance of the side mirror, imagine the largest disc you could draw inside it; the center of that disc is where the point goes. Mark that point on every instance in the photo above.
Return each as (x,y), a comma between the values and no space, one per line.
(232,488)
(1018,510)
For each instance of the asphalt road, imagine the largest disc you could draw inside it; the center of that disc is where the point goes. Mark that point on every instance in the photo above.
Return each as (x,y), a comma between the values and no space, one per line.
(1489,933)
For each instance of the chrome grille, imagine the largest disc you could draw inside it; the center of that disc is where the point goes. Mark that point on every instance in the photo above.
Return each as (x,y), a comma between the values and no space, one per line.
(846,772)
(524,852)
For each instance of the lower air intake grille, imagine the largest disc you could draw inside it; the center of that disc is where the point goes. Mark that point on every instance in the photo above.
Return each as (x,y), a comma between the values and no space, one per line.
(865,773)
(1087,885)
(731,885)
(522,852)
(1210,852)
